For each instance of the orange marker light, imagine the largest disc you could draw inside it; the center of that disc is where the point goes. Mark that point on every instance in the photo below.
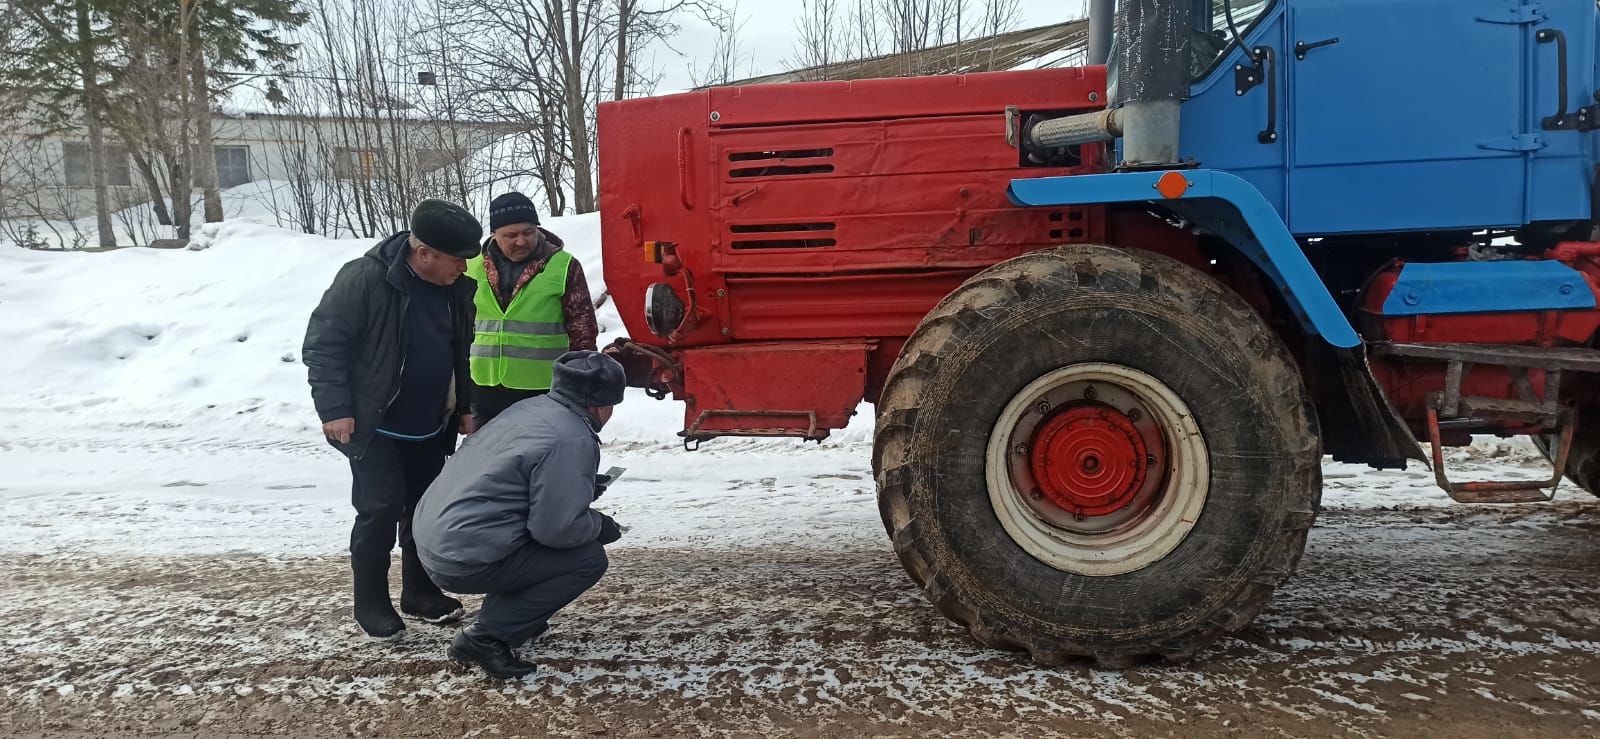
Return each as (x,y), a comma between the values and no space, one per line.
(652,252)
(1172,185)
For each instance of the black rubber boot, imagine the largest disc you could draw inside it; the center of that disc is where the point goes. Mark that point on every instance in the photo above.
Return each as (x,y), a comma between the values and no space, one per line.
(373,609)
(420,598)
(495,658)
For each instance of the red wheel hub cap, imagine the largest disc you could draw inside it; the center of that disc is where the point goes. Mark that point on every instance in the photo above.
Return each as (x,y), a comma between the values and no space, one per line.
(1089,460)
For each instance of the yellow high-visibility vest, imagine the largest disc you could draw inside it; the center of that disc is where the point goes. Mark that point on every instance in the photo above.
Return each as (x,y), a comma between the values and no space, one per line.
(518,347)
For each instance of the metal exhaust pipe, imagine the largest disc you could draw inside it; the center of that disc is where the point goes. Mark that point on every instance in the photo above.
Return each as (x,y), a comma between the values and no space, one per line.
(1100,14)
(1153,79)
(1084,128)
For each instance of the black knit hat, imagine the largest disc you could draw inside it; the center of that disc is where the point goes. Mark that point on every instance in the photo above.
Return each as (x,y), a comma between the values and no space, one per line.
(447,227)
(590,379)
(512,207)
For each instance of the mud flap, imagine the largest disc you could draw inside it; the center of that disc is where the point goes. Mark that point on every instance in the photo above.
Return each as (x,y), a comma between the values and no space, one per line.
(1359,424)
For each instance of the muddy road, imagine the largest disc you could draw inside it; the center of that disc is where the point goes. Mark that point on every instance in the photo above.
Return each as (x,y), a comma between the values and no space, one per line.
(1458,621)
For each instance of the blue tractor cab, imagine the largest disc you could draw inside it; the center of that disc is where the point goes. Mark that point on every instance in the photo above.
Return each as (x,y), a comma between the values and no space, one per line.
(1369,116)
(1401,172)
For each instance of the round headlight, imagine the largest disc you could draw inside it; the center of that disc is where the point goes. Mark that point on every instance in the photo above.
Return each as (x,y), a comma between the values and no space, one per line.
(663,310)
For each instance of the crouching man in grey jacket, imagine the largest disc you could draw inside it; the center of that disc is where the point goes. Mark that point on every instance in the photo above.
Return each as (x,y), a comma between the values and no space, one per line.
(509,515)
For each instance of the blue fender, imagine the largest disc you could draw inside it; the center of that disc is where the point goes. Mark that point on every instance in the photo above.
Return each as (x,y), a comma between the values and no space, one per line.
(1267,242)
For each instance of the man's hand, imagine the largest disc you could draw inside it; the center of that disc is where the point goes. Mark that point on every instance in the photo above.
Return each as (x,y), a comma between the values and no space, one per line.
(339,429)
(609,530)
(469,424)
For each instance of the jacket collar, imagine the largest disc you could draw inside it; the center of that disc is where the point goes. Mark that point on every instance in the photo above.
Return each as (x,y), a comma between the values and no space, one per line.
(394,251)
(535,263)
(575,407)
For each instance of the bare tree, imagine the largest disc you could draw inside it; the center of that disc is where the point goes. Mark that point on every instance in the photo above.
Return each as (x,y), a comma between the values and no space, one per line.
(830,32)
(996,17)
(56,42)
(820,35)
(387,119)
(142,111)
(637,27)
(576,31)
(534,63)
(182,162)
(205,158)
(90,70)
(512,77)
(159,103)
(728,55)
(999,16)
(34,212)
(912,25)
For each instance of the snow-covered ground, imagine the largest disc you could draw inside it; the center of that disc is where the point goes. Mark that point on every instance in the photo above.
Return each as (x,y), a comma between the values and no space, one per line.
(152,386)
(172,525)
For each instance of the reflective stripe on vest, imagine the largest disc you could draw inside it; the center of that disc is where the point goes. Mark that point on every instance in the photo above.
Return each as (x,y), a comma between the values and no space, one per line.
(517,347)
(520,327)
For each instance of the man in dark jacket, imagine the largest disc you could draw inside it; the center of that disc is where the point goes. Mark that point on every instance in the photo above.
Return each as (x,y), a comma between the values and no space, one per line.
(533,305)
(386,354)
(509,516)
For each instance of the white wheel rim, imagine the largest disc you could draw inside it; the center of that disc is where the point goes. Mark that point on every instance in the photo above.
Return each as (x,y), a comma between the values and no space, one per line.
(1115,543)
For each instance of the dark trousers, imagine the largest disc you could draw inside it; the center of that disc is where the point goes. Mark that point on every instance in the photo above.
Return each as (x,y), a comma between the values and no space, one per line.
(488,402)
(388,481)
(523,590)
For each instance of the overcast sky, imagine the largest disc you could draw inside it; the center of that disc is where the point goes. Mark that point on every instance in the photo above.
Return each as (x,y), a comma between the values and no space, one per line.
(768,36)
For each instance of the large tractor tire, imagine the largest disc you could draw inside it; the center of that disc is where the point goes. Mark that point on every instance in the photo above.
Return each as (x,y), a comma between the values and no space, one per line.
(1096,452)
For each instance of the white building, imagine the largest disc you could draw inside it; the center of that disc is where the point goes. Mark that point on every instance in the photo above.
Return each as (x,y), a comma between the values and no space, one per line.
(50,174)
(331,156)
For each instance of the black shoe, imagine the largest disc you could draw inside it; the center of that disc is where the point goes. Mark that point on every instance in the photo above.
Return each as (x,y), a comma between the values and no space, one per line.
(373,609)
(420,598)
(497,660)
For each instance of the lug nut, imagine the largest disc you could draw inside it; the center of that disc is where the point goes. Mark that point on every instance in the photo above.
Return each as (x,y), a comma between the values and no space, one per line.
(1088,393)
(1036,494)
(1022,450)
(1134,414)
(1043,407)
(1149,460)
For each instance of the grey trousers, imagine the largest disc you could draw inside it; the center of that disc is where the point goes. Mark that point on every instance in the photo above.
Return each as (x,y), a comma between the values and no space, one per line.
(523,590)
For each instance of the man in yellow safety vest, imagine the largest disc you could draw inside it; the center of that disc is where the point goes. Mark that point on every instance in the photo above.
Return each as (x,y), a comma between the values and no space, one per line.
(533,306)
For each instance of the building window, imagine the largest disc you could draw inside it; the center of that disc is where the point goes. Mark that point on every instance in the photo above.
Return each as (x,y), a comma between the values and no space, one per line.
(429,160)
(354,164)
(233,166)
(75,162)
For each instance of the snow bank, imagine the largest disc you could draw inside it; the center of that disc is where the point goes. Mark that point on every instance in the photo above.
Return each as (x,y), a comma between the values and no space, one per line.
(162,391)
(162,336)
(211,335)
(157,336)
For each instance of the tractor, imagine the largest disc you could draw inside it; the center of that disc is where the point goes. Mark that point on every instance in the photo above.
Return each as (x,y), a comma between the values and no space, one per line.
(1110,318)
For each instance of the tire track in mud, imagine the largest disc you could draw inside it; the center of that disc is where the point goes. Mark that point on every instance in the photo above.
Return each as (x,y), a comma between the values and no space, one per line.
(1465,621)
